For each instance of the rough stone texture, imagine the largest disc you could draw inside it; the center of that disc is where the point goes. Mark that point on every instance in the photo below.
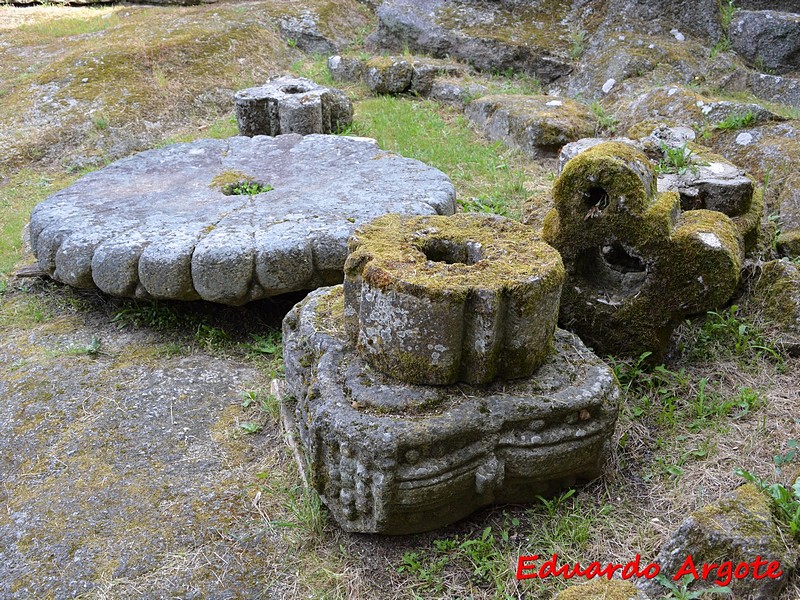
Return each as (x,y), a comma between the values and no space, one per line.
(116,464)
(455,93)
(345,68)
(396,458)
(491,36)
(697,17)
(636,264)
(789,216)
(781,5)
(710,182)
(156,226)
(677,106)
(776,293)
(436,300)
(739,527)
(388,76)
(539,125)
(770,153)
(303,31)
(289,104)
(767,39)
(602,589)
(774,88)
(393,75)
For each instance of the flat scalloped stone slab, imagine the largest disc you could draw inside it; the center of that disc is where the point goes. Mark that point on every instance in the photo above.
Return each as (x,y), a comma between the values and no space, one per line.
(395,458)
(155,225)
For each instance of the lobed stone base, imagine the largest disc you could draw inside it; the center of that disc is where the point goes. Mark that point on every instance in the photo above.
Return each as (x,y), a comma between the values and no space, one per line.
(394,458)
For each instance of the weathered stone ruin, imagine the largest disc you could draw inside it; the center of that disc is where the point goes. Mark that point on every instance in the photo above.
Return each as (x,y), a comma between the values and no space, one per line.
(292,105)
(636,263)
(433,384)
(227,221)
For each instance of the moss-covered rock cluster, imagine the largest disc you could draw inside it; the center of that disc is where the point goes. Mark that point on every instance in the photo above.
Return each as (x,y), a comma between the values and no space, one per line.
(636,263)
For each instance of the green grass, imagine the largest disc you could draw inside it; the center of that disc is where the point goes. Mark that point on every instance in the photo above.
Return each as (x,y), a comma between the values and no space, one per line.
(606,123)
(488,177)
(70,26)
(18,196)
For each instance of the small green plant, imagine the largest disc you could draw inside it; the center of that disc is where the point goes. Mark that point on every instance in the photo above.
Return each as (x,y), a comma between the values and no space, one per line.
(292,43)
(554,503)
(726,333)
(269,344)
(246,188)
(723,45)
(735,121)
(209,337)
(786,502)
(726,9)
(577,43)
(250,427)
(100,123)
(781,460)
(677,159)
(605,122)
(90,349)
(679,590)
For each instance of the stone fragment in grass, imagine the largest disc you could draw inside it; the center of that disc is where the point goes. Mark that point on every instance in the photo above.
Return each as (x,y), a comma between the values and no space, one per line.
(292,105)
(539,125)
(737,528)
(530,38)
(776,294)
(396,458)
(602,589)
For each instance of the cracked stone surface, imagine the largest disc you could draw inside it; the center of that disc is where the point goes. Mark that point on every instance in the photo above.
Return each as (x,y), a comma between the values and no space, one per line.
(396,458)
(157,225)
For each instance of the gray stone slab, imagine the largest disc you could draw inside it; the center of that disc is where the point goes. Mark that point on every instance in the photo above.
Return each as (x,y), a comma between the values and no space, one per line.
(395,458)
(156,225)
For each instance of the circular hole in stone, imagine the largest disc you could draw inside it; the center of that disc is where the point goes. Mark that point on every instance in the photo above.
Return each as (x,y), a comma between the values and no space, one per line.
(294,89)
(620,259)
(611,268)
(450,252)
(595,198)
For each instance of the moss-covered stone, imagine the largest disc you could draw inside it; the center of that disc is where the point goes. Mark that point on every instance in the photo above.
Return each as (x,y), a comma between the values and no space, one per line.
(439,299)
(540,125)
(602,589)
(737,528)
(636,264)
(776,296)
(396,458)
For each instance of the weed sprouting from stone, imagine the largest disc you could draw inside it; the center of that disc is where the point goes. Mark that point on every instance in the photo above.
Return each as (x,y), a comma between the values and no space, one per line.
(676,159)
(246,188)
(577,45)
